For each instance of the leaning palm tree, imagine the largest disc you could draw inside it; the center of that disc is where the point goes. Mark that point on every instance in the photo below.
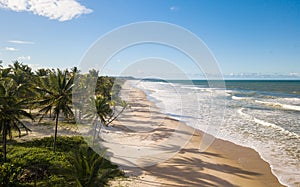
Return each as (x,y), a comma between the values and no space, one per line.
(100,107)
(57,97)
(11,111)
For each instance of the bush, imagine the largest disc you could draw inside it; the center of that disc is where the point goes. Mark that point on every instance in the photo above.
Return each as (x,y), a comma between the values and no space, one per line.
(9,174)
(35,164)
(64,143)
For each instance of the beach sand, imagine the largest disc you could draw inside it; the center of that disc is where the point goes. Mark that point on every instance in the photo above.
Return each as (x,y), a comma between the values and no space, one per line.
(142,124)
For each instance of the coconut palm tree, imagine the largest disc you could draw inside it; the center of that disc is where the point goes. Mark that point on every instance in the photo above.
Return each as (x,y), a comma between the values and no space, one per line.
(23,75)
(97,108)
(103,109)
(57,98)
(100,107)
(11,111)
(86,166)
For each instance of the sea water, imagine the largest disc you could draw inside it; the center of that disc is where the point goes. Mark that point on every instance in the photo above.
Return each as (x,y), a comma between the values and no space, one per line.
(263,115)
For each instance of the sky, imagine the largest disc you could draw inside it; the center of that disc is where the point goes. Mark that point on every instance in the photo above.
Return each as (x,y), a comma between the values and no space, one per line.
(247,38)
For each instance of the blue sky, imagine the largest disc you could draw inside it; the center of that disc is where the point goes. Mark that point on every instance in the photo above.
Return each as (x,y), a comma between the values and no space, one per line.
(245,36)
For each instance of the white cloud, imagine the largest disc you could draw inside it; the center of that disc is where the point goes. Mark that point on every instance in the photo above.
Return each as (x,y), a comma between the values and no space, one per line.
(24,58)
(61,10)
(11,49)
(174,8)
(15,5)
(20,42)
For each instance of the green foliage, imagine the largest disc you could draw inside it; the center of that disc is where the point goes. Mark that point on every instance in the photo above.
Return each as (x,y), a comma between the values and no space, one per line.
(12,107)
(102,107)
(57,98)
(50,92)
(36,163)
(9,174)
(104,86)
(65,143)
(74,164)
(56,93)
(89,169)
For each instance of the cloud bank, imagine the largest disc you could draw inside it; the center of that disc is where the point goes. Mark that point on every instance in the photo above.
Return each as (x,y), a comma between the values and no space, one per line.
(61,10)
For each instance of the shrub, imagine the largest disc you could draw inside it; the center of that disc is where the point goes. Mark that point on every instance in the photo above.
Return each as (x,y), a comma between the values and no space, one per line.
(9,174)
(74,164)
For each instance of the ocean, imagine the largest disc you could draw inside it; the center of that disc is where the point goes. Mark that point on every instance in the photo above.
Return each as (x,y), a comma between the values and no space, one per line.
(260,114)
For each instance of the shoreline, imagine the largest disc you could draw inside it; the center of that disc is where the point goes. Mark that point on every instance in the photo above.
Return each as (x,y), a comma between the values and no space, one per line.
(237,144)
(224,163)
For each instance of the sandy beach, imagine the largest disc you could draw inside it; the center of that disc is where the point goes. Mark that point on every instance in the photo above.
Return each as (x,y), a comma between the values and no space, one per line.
(222,164)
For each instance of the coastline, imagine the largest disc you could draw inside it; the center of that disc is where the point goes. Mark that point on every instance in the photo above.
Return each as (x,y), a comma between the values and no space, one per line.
(222,164)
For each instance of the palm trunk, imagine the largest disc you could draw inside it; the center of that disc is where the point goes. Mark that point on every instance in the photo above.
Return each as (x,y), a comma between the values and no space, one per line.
(95,130)
(4,142)
(75,111)
(55,132)
(113,119)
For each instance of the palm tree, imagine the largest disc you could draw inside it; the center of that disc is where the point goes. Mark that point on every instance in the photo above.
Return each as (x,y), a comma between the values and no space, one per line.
(90,169)
(42,72)
(100,107)
(103,109)
(22,74)
(11,111)
(57,98)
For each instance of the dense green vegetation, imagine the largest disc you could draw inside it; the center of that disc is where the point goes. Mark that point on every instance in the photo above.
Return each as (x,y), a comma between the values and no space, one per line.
(73,164)
(47,93)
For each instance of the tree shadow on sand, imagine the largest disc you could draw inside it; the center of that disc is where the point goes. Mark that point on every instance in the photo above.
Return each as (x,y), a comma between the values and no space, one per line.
(190,171)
